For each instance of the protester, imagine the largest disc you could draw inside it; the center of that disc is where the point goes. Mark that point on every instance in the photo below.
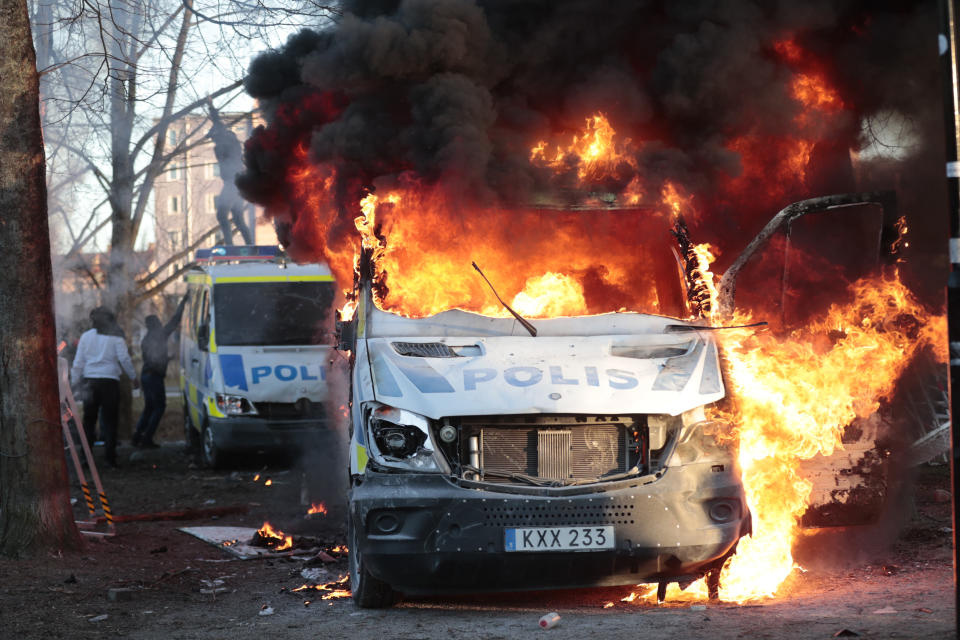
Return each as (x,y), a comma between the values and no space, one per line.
(229,153)
(101,357)
(155,359)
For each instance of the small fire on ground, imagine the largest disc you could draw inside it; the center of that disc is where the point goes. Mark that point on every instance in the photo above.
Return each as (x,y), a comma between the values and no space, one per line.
(330,590)
(317,508)
(267,536)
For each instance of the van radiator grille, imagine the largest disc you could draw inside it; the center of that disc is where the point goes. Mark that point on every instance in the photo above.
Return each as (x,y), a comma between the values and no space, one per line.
(556,452)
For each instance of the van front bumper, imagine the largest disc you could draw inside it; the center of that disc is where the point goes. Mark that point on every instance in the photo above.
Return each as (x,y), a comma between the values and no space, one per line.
(422,533)
(253,434)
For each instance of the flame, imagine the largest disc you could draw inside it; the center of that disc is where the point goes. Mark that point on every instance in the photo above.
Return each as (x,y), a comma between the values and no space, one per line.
(793,397)
(333,589)
(277,540)
(268,482)
(256,477)
(317,507)
(595,152)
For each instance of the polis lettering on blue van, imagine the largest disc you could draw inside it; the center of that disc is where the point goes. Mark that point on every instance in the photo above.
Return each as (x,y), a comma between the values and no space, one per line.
(285,372)
(556,376)
(621,379)
(472,376)
(259,372)
(305,375)
(531,376)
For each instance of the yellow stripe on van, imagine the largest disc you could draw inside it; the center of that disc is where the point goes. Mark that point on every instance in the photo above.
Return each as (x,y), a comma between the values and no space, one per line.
(361,458)
(212,345)
(198,279)
(212,409)
(234,279)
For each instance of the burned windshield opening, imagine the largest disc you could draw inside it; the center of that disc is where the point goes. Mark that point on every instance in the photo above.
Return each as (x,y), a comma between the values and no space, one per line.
(272,313)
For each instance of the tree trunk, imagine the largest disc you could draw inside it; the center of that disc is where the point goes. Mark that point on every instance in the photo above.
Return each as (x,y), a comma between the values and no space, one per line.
(34,498)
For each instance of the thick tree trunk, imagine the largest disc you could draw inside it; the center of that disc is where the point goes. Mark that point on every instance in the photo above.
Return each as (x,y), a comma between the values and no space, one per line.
(34,502)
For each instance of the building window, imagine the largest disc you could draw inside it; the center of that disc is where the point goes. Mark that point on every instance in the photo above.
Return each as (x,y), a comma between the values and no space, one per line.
(211,203)
(173,173)
(174,204)
(174,239)
(171,137)
(216,169)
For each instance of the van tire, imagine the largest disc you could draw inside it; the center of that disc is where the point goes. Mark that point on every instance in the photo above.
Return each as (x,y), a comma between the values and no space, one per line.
(368,592)
(210,454)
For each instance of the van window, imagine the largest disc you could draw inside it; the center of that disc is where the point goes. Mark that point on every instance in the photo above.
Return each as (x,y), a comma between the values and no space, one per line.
(272,313)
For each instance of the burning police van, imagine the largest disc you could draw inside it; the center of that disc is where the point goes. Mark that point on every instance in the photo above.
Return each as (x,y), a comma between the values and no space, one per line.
(253,352)
(492,453)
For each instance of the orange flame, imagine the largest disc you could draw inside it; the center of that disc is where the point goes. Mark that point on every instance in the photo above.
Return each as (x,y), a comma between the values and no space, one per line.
(317,507)
(595,152)
(276,539)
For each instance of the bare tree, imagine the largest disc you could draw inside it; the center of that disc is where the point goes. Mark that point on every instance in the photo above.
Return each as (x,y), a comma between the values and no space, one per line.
(34,507)
(119,73)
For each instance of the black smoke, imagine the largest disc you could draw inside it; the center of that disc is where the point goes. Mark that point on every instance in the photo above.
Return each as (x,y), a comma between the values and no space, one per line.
(458,91)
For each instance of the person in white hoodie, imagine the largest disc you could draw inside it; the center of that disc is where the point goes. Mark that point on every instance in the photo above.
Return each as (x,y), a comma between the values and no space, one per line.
(101,357)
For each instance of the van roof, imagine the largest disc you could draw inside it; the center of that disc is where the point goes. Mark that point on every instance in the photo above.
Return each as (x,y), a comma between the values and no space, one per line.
(261,271)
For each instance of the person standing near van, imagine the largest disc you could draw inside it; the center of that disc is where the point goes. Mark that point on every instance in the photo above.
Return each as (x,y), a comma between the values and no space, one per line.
(101,357)
(155,360)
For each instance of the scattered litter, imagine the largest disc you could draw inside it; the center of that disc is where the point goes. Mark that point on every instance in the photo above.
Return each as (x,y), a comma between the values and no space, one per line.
(889,569)
(940,495)
(73,501)
(213,587)
(886,610)
(147,612)
(210,501)
(119,595)
(698,607)
(925,610)
(315,575)
(550,620)
(266,610)
(946,529)
(846,633)
(99,618)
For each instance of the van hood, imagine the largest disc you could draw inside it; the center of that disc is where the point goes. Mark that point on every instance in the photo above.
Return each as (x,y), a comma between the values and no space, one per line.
(663,373)
(273,374)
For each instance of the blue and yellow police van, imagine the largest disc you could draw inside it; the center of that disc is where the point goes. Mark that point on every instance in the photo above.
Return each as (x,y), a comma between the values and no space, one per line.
(254,352)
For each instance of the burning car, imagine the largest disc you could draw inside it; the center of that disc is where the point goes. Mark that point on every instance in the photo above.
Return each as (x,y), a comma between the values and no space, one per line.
(489,453)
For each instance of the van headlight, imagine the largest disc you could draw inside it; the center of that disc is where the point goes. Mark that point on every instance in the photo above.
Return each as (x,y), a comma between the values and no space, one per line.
(230,405)
(402,439)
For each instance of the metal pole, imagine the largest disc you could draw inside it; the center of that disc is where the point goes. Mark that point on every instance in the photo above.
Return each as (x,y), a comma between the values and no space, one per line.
(948,66)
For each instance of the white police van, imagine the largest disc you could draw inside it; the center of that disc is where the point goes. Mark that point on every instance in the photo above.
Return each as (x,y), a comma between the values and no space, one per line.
(254,352)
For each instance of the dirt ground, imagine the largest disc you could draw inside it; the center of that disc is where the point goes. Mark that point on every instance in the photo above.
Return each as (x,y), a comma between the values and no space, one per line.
(169,580)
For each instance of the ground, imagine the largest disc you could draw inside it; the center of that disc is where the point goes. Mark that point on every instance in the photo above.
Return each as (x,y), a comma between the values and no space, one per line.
(168,579)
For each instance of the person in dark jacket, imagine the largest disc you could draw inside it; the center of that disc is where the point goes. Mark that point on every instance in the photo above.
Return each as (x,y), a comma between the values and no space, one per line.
(155,359)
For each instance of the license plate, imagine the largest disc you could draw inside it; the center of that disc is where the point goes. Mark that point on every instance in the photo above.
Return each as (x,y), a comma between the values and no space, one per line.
(559,539)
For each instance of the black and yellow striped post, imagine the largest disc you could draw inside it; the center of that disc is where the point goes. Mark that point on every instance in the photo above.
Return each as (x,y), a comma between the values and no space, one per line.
(88,497)
(105,505)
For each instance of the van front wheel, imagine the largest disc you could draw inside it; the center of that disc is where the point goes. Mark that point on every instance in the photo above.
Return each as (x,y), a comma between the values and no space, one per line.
(368,592)
(212,455)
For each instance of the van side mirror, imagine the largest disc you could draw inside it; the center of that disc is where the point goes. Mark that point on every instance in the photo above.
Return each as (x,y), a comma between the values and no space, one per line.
(203,337)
